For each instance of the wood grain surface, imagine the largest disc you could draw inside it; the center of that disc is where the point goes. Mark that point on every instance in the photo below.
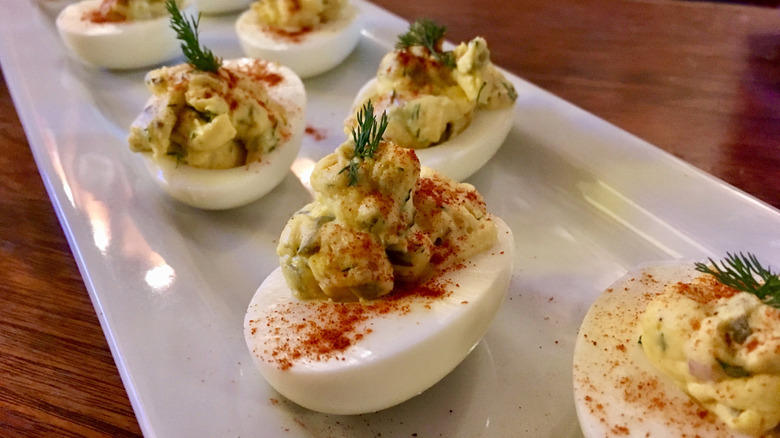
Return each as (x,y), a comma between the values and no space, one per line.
(699,80)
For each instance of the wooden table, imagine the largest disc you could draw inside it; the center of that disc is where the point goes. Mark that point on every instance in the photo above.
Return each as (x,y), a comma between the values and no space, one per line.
(700,80)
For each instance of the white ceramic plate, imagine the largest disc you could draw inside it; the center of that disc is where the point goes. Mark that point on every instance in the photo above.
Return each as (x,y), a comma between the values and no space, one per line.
(170,284)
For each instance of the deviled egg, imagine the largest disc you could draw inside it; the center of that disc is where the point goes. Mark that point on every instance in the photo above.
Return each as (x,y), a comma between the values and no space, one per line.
(219,134)
(119,34)
(671,350)
(455,108)
(387,280)
(308,36)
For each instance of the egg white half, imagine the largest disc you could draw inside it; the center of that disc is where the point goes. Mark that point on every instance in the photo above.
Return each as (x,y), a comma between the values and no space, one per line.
(309,54)
(125,45)
(404,354)
(217,189)
(617,391)
(464,154)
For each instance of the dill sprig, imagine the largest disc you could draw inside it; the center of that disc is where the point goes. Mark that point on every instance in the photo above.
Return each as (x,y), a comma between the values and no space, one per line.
(430,35)
(745,273)
(366,137)
(186,29)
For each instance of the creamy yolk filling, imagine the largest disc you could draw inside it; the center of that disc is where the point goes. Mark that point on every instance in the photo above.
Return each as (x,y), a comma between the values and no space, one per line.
(297,14)
(210,120)
(395,223)
(115,11)
(722,347)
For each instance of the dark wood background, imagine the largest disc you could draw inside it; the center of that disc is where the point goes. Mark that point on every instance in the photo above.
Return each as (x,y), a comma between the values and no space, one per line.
(698,79)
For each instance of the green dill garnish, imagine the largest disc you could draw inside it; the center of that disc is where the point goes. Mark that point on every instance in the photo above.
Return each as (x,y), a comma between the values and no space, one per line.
(366,136)
(479,93)
(178,154)
(416,114)
(742,272)
(430,35)
(662,342)
(186,29)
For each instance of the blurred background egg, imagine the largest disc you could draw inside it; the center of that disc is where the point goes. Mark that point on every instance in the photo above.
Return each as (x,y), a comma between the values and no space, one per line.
(308,52)
(116,44)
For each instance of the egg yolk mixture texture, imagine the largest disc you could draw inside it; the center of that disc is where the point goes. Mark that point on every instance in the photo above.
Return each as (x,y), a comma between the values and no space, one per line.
(297,14)
(111,11)
(387,223)
(722,347)
(430,98)
(211,120)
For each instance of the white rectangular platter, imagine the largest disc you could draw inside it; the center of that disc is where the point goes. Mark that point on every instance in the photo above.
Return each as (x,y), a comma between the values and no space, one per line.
(170,284)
